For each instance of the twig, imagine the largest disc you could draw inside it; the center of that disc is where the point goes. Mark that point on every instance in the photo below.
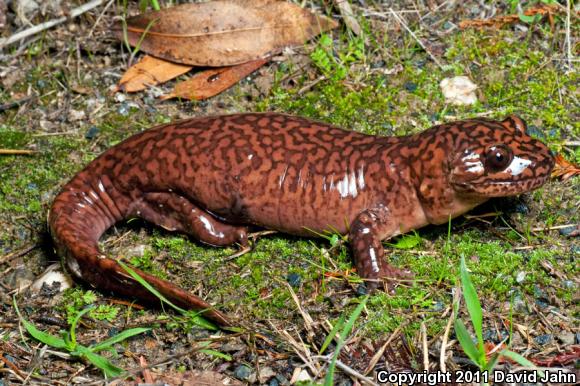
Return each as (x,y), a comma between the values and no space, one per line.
(49,24)
(55,134)
(568,41)
(12,366)
(311,84)
(16,152)
(16,103)
(349,370)
(14,255)
(348,16)
(100,17)
(456,299)
(402,22)
(425,347)
(375,359)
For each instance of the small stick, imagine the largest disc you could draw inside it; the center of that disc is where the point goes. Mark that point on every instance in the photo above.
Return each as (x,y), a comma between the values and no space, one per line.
(375,359)
(100,17)
(16,152)
(348,16)
(402,22)
(425,347)
(16,103)
(456,298)
(568,41)
(349,370)
(16,254)
(49,24)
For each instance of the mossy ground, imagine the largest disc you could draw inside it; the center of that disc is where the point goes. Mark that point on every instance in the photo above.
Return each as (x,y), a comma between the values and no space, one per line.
(385,85)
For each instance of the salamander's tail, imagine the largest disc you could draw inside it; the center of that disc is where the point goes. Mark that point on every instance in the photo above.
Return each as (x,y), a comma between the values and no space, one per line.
(80,214)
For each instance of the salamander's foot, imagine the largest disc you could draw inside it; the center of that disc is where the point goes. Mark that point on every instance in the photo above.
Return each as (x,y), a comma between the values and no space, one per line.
(246,245)
(389,279)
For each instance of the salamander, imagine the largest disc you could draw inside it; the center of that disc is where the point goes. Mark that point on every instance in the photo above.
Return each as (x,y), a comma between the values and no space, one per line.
(214,177)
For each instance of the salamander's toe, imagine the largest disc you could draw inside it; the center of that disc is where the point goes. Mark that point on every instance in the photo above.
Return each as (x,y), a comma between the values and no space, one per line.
(391,278)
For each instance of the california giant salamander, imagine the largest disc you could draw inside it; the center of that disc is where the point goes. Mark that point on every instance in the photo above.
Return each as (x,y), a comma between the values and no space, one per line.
(212,177)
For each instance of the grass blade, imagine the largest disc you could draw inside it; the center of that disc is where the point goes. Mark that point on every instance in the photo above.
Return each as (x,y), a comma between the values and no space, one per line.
(195,316)
(118,338)
(216,354)
(41,336)
(73,326)
(149,287)
(472,303)
(466,343)
(330,336)
(329,379)
(109,369)
(520,359)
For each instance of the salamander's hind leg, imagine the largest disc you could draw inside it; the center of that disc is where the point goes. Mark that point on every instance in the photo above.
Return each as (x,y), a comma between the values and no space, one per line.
(176,213)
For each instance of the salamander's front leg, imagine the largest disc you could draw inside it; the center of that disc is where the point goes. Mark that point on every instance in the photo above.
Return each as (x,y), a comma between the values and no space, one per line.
(366,233)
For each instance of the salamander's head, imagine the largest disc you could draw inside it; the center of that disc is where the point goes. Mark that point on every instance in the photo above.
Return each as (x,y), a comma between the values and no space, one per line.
(498,158)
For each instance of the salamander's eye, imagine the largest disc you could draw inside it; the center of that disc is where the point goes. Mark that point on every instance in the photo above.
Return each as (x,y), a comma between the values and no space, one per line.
(498,158)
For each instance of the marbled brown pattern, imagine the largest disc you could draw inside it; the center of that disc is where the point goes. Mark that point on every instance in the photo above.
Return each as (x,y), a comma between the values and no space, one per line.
(212,177)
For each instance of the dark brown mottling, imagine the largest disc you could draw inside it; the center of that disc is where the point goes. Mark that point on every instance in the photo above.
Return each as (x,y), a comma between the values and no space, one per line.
(211,177)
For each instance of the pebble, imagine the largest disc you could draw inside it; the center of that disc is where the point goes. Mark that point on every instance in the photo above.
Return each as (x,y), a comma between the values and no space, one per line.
(521,276)
(19,279)
(459,90)
(120,97)
(52,275)
(92,132)
(522,208)
(294,280)
(543,339)
(438,306)
(566,337)
(542,303)
(411,86)
(520,305)
(300,375)
(265,373)
(123,109)
(569,284)
(361,290)
(243,372)
(495,336)
(76,115)
(516,339)
(378,64)
(568,230)
(534,131)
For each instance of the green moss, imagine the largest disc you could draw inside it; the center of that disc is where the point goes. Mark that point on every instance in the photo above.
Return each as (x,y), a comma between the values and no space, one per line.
(76,299)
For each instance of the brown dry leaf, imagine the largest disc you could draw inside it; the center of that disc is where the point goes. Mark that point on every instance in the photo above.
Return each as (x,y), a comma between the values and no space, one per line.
(564,169)
(224,32)
(500,21)
(150,71)
(208,83)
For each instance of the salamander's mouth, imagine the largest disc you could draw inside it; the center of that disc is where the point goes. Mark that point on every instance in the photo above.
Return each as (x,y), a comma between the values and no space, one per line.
(500,187)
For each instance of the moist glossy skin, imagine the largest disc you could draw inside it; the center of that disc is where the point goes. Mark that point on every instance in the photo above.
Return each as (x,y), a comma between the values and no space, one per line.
(212,177)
